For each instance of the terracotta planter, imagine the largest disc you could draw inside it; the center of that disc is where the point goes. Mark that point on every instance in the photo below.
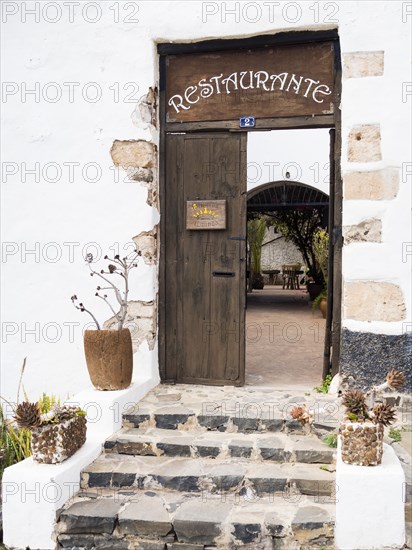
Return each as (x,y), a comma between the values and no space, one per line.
(323,307)
(362,443)
(109,358)
(54,443)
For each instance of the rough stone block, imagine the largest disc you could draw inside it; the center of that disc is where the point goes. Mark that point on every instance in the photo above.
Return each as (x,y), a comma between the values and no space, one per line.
(272,449)
(146,242)
(141,448)
(310,517)
(247,532)
(272,424)
(373,185)
(364,143)
(373,301)
(123,479)
(275,526)
(369,230)
(361,64)
(148,517)
(240,448)
(213,422)
(93,516)
(171,421)
(246,425)
(199,522)
(207,448)
(136,419)
(133,154)
(310,456)
(174,449)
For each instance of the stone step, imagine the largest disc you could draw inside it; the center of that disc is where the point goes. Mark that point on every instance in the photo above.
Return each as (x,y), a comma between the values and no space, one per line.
(206,475)
(248,418)
(156,520)
(279,447)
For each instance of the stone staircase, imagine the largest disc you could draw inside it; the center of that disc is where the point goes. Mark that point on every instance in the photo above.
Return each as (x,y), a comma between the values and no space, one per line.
(174,478)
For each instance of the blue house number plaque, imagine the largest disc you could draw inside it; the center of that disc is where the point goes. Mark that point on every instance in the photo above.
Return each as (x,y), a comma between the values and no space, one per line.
(247,122)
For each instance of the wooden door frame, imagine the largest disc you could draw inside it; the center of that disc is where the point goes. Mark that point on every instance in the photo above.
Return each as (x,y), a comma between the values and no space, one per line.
(286,123)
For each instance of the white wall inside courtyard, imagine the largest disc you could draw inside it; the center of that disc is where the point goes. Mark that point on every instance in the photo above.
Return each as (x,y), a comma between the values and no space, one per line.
(118,52)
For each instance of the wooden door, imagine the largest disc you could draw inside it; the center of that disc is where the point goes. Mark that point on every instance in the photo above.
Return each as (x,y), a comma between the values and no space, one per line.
(205,269)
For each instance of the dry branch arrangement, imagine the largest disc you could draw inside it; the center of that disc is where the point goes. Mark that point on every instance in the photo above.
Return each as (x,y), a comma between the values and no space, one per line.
(119,267)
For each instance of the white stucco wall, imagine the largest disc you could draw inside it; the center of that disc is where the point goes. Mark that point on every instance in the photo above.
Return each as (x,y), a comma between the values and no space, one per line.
(114,46)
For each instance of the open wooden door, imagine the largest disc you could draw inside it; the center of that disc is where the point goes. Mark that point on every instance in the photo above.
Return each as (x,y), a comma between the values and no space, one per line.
(205,268)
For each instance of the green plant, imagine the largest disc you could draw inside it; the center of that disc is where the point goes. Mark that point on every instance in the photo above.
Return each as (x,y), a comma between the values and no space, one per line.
(316,302)
(320,246)
(324,387)
(14,443)
(395,435)
(299,227)
(331,440)
(256,229)
(46,402)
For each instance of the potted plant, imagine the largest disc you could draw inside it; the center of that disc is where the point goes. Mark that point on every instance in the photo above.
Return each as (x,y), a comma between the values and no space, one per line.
(320,245)
(55,435)
(109,353)
(256,229)
(363,425)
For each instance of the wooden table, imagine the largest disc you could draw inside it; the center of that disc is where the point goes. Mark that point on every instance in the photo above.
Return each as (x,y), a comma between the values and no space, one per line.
(273,275)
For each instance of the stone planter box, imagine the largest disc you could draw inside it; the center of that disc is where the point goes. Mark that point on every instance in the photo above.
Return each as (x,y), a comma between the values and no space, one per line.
(362,443)
(54,443)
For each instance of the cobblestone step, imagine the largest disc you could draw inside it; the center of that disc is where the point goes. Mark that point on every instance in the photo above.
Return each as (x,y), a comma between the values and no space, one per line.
(257,446)
(245,418)
(207,475)
(159,520)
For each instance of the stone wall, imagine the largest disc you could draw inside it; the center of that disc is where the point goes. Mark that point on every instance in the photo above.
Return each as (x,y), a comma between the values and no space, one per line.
(278,252)
(375,309)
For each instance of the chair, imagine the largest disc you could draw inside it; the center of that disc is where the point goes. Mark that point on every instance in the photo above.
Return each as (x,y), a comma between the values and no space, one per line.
(290,274)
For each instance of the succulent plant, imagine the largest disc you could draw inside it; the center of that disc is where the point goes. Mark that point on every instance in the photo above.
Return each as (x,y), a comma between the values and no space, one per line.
(27,415)
(384,414)
(395,379)
(355,403)
(302,414)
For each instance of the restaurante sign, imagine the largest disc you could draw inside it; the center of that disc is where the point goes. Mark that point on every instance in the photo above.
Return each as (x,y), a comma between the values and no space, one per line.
(246,80)
(287,80)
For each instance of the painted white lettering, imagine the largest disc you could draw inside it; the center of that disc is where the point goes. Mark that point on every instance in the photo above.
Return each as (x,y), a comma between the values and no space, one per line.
(296,83)
(231,78)
(177,104)
(260,81)
(206,88)
(190,90)
(310,85)
(281,77)
(216,79)
(319,90)
(242,76)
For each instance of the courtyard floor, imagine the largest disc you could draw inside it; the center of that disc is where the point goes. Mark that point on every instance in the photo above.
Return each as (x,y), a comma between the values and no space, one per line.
(284,339)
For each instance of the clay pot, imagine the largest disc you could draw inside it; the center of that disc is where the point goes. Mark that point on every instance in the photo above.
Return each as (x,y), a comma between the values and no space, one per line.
(323,307)
(109,358)
(362,443)
(54,443)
